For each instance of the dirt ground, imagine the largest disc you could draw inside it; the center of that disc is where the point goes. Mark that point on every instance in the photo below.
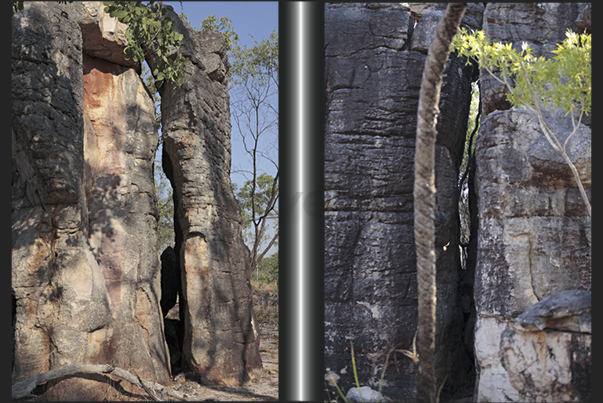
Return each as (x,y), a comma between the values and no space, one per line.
(262,389)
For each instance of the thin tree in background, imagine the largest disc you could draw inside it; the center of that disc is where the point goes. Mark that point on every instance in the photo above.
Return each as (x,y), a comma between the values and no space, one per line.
(254,109)
(425,196)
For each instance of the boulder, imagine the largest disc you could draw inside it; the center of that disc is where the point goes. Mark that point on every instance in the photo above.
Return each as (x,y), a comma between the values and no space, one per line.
(372,90)
(548,353)
(363,395)
(221,339)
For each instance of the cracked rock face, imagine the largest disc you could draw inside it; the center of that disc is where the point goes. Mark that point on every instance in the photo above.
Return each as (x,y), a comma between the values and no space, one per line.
(372,90)
(548,354)
(534,236)
(221,340)
(534,231)
(85,273)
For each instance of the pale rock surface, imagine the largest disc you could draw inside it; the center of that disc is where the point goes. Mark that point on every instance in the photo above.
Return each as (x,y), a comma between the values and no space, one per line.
(547,354)
(103,37)
(85,274)
(534,233)
(364,394)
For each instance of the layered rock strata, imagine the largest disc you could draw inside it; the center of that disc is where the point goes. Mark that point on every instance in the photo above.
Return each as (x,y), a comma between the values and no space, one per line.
(372,87)
(534,235)
(85,274)
(221,340)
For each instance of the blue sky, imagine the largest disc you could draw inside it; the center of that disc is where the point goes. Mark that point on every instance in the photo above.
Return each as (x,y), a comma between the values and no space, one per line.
(257,19)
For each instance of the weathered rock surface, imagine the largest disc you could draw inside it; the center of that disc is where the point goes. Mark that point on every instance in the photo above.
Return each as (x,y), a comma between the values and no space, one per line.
(221,343)
(428,15)
(534,232)
(85,274)
(103,37)
(548,353)
(372,88)
(534,235)
(363,395)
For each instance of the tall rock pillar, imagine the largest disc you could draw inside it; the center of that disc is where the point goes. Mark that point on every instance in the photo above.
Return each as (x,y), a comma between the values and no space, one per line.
(85,269)
(221,341)
(534,235)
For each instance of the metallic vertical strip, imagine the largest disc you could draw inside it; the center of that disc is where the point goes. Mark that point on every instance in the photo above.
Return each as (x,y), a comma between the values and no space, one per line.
(300,8)
(301,200)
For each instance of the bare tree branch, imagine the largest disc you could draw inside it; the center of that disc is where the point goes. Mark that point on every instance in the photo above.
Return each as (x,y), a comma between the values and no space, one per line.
(24,388)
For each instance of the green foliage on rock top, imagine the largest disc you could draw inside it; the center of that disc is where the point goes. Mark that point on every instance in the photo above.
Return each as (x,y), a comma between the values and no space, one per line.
(222,25)
(563,81)
(150,32)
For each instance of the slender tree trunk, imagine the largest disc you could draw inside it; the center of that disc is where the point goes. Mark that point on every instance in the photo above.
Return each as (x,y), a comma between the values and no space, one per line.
(425,196)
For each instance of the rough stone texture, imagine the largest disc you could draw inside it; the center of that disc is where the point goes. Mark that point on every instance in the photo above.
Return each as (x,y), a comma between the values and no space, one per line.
(534,232)
(221,343)
(548,353)
(541,25)
(568,311)
(85,275)
(103,37)
(363,395)
(428,15)
(372,89)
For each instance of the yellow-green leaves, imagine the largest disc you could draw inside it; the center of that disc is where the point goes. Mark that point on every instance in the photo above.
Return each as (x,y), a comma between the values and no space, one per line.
(563,81)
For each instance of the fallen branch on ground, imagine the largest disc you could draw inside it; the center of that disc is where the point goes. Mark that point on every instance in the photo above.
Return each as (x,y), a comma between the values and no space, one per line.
(24,388)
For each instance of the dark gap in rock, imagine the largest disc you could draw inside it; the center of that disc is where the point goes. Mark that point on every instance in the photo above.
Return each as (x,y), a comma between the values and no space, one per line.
(172,302)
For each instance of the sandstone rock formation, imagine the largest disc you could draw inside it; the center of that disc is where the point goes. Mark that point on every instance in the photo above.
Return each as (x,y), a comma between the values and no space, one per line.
(85,266)
(86,285)
(530,233)
(221,343)
(372,87)
(534,235)
(547,353)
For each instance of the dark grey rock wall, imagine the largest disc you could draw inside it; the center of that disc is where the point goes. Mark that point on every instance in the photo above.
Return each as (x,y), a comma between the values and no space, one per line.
(372,90)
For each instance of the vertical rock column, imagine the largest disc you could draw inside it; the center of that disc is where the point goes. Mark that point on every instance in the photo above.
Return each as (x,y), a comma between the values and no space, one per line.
(534,235)
(221,341)
(85,273)
(60,302)
(119,147)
